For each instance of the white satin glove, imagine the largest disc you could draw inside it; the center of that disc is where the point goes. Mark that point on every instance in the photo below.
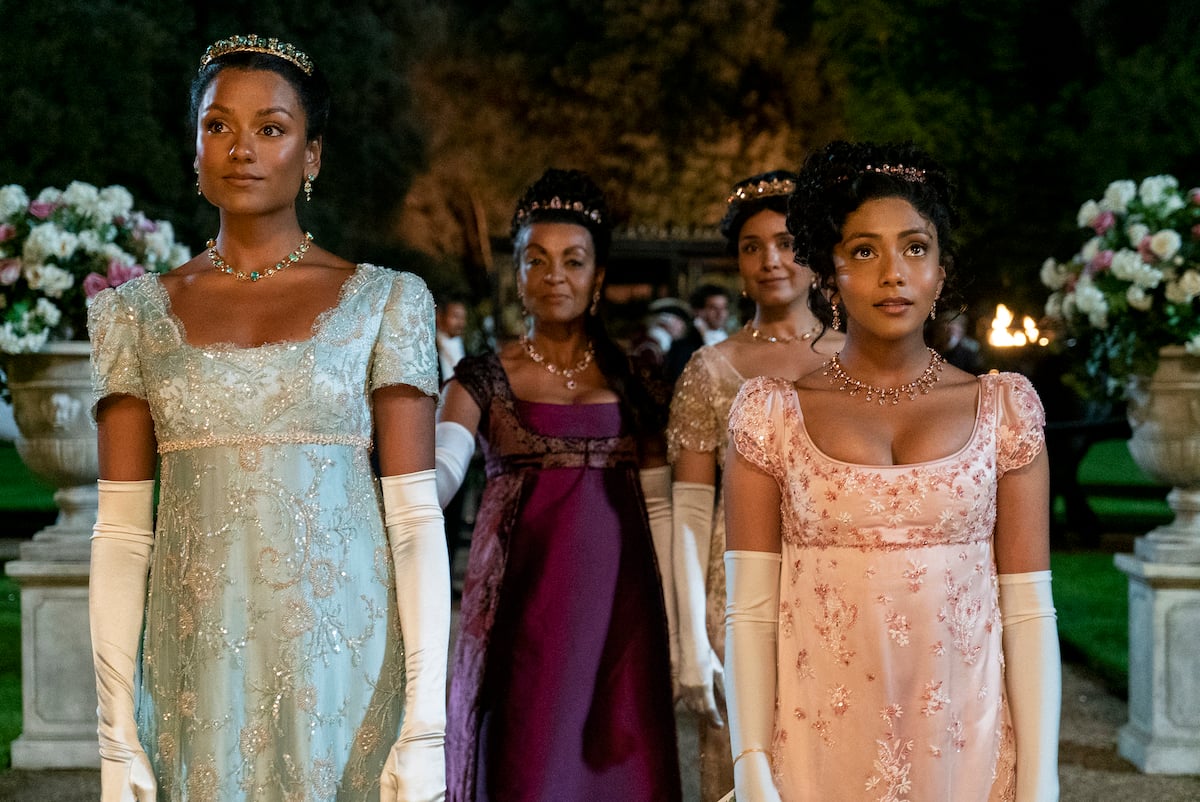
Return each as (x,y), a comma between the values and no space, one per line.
(455,447)
(656,488)
(751,620)
(699,669)
(1033,679)
(416,766)
(122,541)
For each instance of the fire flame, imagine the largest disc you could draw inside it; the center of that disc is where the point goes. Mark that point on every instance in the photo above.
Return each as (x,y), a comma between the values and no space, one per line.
(1002,334)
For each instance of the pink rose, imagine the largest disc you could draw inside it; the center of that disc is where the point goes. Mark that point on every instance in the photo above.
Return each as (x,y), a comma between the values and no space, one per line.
(10,271)
(119,272)
(1103,222)
(1102,262)
(1144,251)
(7,231)
(1194,195)
(41,209)
(1196,231)
(93,283)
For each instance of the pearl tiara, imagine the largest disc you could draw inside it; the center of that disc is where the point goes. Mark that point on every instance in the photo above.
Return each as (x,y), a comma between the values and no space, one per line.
(253,43)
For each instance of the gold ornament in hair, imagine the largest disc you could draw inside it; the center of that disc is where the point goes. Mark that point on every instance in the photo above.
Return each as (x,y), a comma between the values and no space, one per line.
(913,174)
(762,189)
(558,203)
(253,43)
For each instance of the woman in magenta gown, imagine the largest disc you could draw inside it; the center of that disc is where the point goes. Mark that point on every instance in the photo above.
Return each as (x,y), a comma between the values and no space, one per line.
(561,686)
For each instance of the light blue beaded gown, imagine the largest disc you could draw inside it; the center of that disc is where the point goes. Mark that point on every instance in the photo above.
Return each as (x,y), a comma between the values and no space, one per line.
(272,665)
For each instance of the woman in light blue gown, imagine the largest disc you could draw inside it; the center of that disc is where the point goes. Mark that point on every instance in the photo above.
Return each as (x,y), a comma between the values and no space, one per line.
(296,611)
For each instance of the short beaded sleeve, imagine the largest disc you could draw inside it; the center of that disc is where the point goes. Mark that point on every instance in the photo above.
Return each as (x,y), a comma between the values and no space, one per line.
(757,422)
(693,424)
(116,365)
(406,350)
(1020,423)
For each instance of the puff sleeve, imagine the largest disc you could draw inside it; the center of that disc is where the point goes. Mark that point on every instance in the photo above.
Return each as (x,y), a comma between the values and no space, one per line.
(1021,423)
(116,362)
(757,423)
(405,351)
(693,423)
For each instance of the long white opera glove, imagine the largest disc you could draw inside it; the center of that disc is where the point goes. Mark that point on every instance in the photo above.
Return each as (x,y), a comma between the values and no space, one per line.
(751,620)
(1033,678)
(656,488)
(455,447)
(416,766)
(122,541)
(699,668)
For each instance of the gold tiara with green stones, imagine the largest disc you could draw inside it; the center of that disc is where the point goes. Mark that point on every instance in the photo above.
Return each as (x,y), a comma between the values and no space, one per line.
(253,43)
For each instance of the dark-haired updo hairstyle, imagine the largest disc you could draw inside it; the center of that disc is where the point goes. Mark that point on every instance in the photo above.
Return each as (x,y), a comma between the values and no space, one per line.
(571,196)
(312,90)
(752,195)
(842,176)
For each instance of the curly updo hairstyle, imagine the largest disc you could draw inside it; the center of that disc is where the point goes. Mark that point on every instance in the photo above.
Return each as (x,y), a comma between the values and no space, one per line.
(571,196)
(842,176)
(312,90)
(566,196)
(752,195)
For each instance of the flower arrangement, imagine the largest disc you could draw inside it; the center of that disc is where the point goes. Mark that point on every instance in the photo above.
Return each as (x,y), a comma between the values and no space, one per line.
(1134,286)
(61,249)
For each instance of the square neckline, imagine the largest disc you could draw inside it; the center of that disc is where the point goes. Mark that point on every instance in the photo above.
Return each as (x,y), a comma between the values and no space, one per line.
(224,346)
(982,386)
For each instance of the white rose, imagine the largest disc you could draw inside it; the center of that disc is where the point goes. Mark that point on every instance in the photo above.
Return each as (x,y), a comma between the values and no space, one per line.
(1118,195)
(1176,294)
(1189,283)
(83,197)
(1054,306)
(1165,244)
(1138,298)
(89,241)
(41,242)
(1087,213)
(1090,301)
(1193,346)
(49,279)
(117,200)
(1090,249)
(13,200)
(48,312)
(179,255)
(49,195)
(1136,233)
(1126,264)
(1053,275)
(1156,188)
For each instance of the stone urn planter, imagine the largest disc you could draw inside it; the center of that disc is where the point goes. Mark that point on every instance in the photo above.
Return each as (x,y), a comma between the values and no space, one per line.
(1164,415)
(56,440)
(1162,735)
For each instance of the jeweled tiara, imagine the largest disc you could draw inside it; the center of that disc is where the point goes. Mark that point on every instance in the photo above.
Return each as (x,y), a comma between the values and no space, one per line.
(253,43)
(762,189)
(558,203)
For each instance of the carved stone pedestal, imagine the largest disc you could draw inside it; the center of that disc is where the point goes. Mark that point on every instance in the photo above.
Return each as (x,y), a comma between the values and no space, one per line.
(1162,735)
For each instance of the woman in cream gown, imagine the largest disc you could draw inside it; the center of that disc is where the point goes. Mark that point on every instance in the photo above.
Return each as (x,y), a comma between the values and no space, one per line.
(779,341)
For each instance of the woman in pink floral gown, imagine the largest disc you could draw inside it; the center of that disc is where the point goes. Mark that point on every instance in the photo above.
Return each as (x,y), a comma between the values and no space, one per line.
(887,524)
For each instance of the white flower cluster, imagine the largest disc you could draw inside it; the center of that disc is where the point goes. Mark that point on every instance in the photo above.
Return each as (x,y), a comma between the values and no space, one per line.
(65,246)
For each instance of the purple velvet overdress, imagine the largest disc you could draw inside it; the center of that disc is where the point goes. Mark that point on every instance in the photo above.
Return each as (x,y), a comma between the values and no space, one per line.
(560,688)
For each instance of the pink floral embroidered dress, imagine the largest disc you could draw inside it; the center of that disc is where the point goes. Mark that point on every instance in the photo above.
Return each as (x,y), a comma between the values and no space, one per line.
(891,674)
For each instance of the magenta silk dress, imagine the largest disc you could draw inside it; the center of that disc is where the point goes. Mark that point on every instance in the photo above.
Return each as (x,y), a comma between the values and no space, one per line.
(560,685)
(890,667)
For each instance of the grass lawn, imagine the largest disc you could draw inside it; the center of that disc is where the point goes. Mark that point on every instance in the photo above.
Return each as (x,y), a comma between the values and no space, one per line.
(10,667)
(1092,600)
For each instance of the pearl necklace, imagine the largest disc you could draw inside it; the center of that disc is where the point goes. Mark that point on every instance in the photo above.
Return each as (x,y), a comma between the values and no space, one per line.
(566,373)
(756,334)
(922,384)
(220,265)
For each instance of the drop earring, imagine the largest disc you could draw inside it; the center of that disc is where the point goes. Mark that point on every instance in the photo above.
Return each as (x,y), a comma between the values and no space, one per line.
(595,301)
(308,179)
(198,192)
(837,317)
(933,310)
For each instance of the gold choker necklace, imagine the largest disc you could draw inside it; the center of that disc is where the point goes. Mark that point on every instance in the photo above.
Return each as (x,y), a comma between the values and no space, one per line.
(756,334)
(219,263)
(566,373)
(920,385)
